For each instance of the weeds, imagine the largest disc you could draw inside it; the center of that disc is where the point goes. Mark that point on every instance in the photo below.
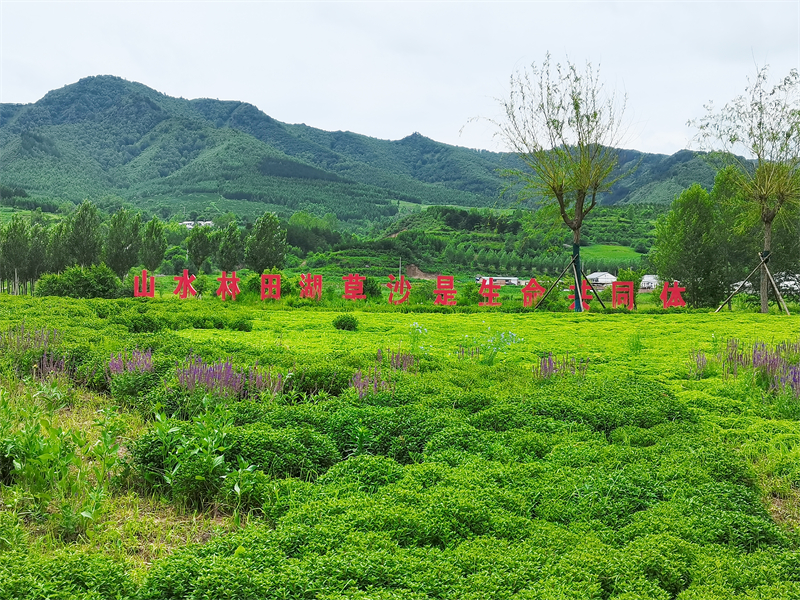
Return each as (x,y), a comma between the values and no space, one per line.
(227,381)
(19,339)
(698,365)
(468,352)
(415,335)
(635,345)
(369,382)
(398,361)
(773,368)
(486,352)
(549,367)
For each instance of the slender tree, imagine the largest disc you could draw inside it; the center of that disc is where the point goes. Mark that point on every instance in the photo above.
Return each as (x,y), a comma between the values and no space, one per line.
(564,128)
(123,241)
(154,244)
(16,239)
(230,250)
(84,239)
(200,244)
(58,254)
(758,133)
(266,245)
(37,254)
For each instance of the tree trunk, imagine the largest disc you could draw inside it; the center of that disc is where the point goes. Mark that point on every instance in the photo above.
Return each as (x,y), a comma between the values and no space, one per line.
(765,254)
(576,269)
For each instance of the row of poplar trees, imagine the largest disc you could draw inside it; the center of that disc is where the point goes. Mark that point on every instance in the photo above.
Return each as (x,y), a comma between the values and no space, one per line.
(28,248)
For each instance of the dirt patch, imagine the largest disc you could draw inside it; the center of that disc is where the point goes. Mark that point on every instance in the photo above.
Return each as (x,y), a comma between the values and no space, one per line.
(415,272)
(785,509)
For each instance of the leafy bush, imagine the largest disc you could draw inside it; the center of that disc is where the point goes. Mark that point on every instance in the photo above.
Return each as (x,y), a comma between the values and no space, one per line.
(606,403)
(95,281)
(197,479)
(283,453)
(66,574)
(372,289)
(345,322)
(363,473)
(12,534)
(314,377)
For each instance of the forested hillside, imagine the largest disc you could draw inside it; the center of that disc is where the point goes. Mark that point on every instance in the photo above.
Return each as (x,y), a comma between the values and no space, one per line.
(106,136)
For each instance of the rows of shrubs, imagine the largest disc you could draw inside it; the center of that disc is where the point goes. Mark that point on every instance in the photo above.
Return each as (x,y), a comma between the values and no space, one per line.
(443,479)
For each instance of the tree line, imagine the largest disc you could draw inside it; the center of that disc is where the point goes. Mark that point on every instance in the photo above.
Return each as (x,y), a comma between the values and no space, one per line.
(29,247)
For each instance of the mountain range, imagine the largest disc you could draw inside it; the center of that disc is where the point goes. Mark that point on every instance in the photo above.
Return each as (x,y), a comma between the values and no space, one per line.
(105,136)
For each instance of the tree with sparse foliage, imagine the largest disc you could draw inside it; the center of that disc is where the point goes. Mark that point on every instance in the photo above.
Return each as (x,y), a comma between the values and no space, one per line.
(123,241)
(564,128)
(200,244)
(266,245)
(154,244)
(758,133)
(84,239)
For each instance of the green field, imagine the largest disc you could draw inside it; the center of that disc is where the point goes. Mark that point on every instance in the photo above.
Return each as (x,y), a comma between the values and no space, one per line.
(601,252)
(451,465)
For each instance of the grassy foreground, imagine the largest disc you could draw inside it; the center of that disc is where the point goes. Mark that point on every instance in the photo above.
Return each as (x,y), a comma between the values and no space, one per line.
(200,450)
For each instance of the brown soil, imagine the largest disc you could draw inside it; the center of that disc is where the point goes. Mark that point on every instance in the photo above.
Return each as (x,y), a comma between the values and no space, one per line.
(414,272)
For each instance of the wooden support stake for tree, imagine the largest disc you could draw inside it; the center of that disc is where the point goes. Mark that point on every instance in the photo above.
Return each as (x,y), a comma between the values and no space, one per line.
(741,285)
(753,272)
(555,283)
(596,295)
(578,296)
(777,291)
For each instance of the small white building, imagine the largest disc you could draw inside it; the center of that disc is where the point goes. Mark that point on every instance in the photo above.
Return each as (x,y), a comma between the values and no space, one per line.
(649,282)
(192,224)
(601,278)
(498,280)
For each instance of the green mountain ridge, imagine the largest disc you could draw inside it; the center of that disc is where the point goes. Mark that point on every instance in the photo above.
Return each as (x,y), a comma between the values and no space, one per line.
(107,136)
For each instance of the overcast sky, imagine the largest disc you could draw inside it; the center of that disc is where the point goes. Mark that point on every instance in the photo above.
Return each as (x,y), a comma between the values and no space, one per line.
(388,69)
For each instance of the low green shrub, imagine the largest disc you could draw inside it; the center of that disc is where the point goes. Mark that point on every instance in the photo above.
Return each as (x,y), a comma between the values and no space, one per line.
(131,389)
(288,452)
(67,574)
(319,376)
(363,473)
(197,479)
(397,432)
(346,322)
(606,403)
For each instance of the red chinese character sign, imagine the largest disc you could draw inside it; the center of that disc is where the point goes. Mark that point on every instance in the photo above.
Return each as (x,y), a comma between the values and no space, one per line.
(184,287)
(399,289)
(270,287)
(311,286)
(585,297)
(671,295)
(622,294)
(354,287)
(489,291)
(142,289)
(228,285)
(445,291)
(531,293)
